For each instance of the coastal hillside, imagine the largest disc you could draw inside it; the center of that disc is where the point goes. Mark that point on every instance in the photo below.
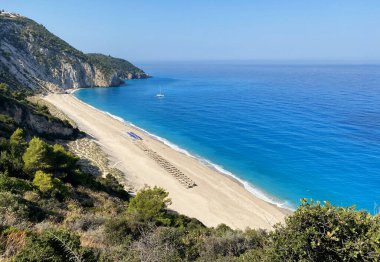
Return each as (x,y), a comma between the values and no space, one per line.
(52,209)
(32,58)
(34,118)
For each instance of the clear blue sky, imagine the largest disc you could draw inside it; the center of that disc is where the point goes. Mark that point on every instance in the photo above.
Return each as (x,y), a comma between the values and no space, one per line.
(336,30)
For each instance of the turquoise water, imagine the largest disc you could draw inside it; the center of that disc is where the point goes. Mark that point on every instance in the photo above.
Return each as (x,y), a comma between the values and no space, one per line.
(291,131)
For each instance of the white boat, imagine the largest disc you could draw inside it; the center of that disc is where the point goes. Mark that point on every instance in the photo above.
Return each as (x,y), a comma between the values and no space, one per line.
(160,94)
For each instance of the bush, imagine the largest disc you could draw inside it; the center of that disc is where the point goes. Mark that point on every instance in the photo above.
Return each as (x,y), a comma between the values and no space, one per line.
(10,165)
(162,244)
(14,210)
(51,245)
(225,242)
(62,160)
(150,205)
(37,156)
(119,231)
(318,232)
(14,185)
(112,186)
(49,185)
(85,222)
(17,142)
(4,88)
(11,241)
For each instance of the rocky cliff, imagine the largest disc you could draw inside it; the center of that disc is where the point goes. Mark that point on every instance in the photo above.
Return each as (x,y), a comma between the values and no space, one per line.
(29,117)
(32,57)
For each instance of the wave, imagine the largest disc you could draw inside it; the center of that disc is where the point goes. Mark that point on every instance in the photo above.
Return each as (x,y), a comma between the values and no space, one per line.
(247,186)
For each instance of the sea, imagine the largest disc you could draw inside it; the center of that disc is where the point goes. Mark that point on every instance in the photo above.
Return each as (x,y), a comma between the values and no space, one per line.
(285,131)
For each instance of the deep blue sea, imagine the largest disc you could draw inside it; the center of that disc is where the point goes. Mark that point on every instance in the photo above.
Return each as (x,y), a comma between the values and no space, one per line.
(291,131)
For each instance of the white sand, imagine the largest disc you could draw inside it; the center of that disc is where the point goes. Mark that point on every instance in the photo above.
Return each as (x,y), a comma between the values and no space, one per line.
(216,199)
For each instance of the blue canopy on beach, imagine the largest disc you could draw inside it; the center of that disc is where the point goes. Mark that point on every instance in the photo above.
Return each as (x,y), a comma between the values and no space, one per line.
(133,135)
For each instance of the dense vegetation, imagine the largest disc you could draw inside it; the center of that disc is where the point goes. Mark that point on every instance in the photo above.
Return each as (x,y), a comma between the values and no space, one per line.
(50,210)
(111,64)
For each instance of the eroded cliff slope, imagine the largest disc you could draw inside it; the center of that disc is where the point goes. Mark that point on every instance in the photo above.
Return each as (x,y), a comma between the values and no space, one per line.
(32,57)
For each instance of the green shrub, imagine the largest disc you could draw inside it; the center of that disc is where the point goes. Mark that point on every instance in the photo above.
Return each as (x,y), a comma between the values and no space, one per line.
(62,160)
(119,231)
(51,245)
(7,125)
(49,185)
(85,222)
(225,242)
(37,156)
(318,232)
(112,186)
(11,165)
(4,88)
(13,209)
(17,142)
(150,205)
(14,185)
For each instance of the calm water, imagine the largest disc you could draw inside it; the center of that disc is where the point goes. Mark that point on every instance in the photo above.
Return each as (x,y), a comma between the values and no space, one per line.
(292,131)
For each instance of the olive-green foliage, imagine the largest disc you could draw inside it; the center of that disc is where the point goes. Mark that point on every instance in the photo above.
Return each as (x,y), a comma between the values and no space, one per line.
(10,92)
(53,245)
(111,64)
(162,244)
(3,88)
(120,231)
(41,156)
(11,152)
(37,156)
(221,243)
(10,165)
(49,185)
(42,109)
(145,211)
(14,185)
(17,142)
(112,186)
(149,205)
(318,232)
(7,126)
(11,240)
(14,210)
(62,160)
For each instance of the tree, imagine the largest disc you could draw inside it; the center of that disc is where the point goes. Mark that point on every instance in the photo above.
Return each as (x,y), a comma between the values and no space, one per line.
(36,156)
(17,142)
(149,204)
(49,185)
(62,160)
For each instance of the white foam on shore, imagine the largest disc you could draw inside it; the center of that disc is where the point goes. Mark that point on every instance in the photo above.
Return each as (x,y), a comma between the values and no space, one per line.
(248,186)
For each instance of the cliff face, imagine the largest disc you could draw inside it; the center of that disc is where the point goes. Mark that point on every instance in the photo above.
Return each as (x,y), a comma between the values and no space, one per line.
(32,57)
(26,116)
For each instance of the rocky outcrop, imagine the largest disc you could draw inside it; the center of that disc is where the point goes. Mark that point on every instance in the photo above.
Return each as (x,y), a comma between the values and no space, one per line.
(33,57)
(39,123)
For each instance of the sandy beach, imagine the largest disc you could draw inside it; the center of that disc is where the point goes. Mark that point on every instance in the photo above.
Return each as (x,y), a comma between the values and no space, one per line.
(196,190)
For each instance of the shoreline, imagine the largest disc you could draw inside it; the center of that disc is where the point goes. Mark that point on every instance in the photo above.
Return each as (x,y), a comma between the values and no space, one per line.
(258,212)
(247,185)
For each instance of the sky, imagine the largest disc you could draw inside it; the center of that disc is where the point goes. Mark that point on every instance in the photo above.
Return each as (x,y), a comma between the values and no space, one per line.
(266,30)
